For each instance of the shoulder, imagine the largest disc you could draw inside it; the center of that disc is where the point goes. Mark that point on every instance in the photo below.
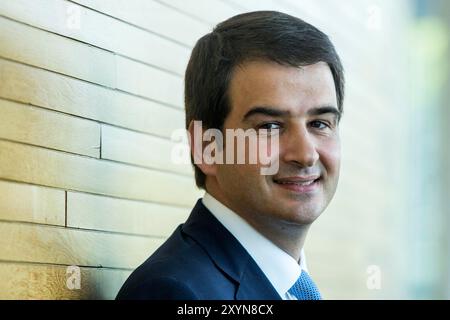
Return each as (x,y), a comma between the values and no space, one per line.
(179,270)
(158,288)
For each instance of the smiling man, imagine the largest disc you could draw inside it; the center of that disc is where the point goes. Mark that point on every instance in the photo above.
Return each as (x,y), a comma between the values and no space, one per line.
(281,77)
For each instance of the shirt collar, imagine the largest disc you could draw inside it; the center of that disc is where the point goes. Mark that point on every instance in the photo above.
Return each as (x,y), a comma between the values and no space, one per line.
(279,267)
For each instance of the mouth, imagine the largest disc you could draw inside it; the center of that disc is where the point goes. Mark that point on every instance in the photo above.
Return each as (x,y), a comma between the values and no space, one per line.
(299,184)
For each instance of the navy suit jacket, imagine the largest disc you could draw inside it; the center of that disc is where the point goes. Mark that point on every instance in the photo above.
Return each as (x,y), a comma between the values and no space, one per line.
(200,260)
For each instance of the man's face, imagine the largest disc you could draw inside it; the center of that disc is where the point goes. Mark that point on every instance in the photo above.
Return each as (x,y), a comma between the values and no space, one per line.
(302,104)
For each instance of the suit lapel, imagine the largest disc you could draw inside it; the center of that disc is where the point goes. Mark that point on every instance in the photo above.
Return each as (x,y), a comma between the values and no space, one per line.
(228,254)
(254,283)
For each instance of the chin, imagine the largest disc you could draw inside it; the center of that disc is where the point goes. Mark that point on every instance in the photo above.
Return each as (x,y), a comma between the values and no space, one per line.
(305,219)
(303,215)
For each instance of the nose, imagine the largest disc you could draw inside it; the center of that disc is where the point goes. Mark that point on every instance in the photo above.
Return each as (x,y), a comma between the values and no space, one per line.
(300,148)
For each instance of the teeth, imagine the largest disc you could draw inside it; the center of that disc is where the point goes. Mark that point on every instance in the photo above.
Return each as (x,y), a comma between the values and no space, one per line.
(307,183)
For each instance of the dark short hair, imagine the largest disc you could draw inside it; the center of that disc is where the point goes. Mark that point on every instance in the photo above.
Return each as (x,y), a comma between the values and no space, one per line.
(265,35)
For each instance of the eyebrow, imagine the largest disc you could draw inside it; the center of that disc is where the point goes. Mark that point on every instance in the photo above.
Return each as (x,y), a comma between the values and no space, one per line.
(274,112)
(323,110)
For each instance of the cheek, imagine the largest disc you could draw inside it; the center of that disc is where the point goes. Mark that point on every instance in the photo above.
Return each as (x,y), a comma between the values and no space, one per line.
(268,150)
(330,156)
(237,176)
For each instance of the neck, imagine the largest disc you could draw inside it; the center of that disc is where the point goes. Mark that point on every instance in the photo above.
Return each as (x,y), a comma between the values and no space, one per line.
(287,236)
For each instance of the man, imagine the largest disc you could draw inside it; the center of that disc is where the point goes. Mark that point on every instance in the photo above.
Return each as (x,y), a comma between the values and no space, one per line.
(244,239)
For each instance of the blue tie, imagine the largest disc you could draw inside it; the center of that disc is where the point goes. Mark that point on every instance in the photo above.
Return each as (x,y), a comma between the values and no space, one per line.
(305,288)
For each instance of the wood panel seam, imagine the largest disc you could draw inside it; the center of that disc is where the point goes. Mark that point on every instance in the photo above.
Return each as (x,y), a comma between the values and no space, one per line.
(90,119)
(175,205)
(166,104)
(65,208)
(132,24)
(91,45)
(187,14)
(127,164)
(91,231)
(38,263)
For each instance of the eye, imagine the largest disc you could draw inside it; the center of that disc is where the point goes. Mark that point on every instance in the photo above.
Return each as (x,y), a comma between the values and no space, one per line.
(317,124)
(269,127)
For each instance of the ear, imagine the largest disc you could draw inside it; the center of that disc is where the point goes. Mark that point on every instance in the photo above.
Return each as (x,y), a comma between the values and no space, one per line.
(198,146)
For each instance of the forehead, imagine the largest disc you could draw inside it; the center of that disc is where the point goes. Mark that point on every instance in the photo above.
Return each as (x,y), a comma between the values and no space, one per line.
(296,89)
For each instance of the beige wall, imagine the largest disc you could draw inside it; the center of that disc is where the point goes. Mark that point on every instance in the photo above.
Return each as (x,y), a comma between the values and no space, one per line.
(90,92)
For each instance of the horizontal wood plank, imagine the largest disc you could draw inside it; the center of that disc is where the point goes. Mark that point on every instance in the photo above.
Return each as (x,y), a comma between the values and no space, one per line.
(149,82)
(72,172)
(24,44)
(24,281)
(50,129)
(56,245)
(153,16)
(53,91)
(254,5)
(144,150)
(206,10)
(74,21)
(103,213)
(24,202)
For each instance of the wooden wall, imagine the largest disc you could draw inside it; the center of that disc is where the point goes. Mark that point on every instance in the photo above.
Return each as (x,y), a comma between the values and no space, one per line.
(90,93)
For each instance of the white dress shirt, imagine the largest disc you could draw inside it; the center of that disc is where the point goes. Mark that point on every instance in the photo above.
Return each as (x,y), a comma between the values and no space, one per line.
(279,267)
